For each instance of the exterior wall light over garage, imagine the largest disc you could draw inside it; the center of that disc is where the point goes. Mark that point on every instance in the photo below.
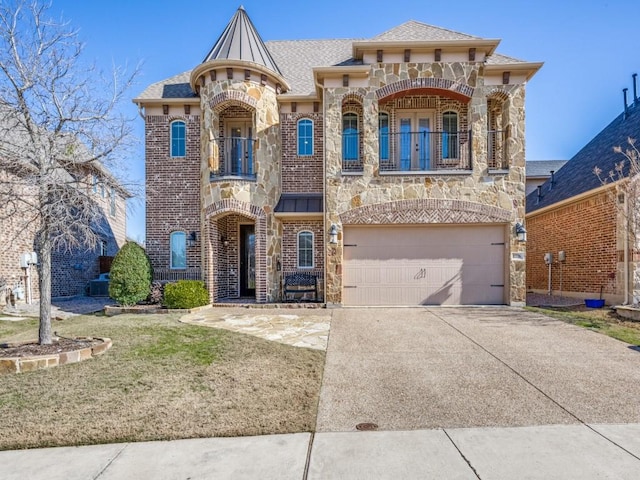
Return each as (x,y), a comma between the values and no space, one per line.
(521,233)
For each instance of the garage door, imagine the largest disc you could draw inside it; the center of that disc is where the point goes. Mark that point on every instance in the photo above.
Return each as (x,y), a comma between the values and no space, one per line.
(417,265)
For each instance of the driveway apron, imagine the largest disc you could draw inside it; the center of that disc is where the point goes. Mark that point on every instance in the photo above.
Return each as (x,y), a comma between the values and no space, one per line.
(416,368)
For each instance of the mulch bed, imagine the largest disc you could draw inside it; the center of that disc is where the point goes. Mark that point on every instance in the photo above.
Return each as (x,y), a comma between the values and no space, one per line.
(34,349)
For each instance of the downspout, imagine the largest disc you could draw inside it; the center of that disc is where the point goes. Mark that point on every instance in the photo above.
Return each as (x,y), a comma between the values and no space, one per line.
(626,251)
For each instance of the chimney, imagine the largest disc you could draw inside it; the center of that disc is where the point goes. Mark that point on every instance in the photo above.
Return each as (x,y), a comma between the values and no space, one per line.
(635,91)
(624,94)
(553,180)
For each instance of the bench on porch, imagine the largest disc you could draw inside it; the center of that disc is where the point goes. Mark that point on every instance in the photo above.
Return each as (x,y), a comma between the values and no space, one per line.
(300,283)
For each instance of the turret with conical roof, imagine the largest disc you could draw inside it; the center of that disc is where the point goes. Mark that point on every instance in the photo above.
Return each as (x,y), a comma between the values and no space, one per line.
(241,41)
(240,46)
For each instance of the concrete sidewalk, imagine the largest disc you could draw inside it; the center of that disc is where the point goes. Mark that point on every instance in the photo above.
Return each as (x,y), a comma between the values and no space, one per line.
(564,452)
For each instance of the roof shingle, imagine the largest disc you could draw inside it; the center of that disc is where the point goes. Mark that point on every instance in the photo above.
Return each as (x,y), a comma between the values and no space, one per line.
(577,175)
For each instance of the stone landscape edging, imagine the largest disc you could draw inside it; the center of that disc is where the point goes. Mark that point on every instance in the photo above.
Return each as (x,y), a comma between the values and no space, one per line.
(111,310)
(39,362)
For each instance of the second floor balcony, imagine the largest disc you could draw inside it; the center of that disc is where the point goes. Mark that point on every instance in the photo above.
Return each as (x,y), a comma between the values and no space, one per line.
(410,151)
(233,157)
(425,151)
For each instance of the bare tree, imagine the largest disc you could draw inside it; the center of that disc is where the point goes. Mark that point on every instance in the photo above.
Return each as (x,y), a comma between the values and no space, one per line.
(59,121)
(626,177)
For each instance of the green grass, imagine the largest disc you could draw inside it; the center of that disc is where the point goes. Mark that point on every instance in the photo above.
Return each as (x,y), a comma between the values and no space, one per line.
(599,320)
(161,380)
(192,345)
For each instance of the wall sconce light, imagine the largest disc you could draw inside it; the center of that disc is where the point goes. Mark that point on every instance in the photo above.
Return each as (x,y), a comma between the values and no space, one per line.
(191,241)
(521,233)
(333,234)
(224,241)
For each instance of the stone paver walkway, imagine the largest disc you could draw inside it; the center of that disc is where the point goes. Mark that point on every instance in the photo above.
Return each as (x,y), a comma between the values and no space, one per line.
(297,327)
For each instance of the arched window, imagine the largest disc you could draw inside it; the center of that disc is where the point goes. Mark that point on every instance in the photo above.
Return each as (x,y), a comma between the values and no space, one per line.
(350,136)
(383,135)
(449,135)
(178,250)
(305,249)
(305,137)
(178,139)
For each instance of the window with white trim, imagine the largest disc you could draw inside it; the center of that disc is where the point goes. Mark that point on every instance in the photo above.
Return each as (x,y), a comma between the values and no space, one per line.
(305,249)
(305,137)
(178,138)
(178,250)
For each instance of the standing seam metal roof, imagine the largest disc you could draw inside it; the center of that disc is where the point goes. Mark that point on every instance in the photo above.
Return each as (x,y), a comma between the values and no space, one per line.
(241,41)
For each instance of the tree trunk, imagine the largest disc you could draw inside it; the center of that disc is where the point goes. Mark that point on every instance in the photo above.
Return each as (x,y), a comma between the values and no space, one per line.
(44,270)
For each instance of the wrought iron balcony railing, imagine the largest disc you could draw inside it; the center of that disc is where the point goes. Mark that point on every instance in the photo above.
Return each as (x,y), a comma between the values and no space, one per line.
(497,149)
(232,157)
(412,151)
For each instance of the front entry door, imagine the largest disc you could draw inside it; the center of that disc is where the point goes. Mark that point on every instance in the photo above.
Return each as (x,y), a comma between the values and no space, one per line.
(247,261)
(415,141)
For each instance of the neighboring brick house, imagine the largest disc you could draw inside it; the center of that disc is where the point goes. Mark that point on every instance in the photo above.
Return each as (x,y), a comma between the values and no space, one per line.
(392,168)
(70,270)
(576,214)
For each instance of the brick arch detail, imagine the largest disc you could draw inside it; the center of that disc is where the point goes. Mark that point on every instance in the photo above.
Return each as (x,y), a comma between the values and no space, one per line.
(498,94)
(422,83)
(421,211)
(355,97)
(257,214)
(235,97)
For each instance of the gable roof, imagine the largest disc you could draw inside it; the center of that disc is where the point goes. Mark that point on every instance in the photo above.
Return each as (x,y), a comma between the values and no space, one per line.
(295,60)
(577,175)
(418,31)
(241,41)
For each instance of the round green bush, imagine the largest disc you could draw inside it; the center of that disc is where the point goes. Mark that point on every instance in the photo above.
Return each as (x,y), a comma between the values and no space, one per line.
(185,294)
(131,274)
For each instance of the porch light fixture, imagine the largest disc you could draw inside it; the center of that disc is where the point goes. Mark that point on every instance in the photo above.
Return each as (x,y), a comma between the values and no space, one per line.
(521,233)
(191,241)
(333,234)
(224,241)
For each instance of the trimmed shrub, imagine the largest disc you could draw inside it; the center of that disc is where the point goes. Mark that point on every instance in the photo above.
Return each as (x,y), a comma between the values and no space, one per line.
(130,276)
(185,294)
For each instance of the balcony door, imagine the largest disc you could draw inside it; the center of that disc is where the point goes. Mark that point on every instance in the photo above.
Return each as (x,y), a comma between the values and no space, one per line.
(240,159)
(415,143)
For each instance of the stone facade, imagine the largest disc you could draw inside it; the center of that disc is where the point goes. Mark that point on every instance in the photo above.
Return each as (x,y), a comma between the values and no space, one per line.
(244,128)
(346,195)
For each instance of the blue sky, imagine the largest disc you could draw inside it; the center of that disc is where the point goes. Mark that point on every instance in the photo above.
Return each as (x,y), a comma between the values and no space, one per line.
(590,50)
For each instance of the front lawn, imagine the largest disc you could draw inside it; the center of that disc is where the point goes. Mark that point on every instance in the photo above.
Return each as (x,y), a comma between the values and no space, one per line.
(161,380)
(603,320)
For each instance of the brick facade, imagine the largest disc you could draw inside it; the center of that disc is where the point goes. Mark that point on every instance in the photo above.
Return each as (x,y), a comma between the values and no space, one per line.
(72,269)
(172,193)
(301,174)
(586,230)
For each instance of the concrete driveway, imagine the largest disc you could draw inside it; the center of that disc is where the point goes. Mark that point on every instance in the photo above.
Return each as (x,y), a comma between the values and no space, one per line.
(422,368)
